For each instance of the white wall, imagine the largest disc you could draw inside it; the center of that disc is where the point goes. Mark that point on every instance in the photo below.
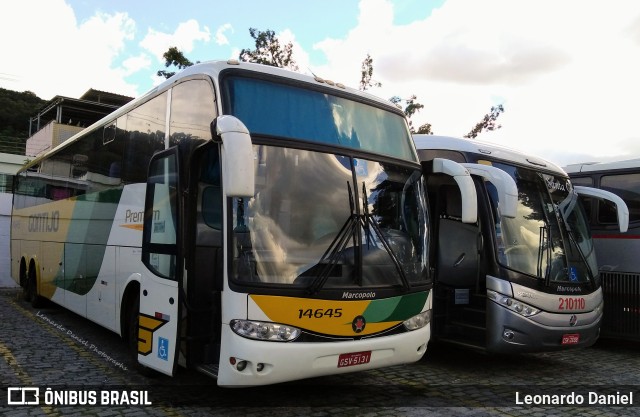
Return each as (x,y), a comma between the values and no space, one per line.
(5,235)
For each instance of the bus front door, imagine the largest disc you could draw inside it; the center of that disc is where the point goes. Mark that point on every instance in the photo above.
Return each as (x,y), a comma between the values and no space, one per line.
(158,325)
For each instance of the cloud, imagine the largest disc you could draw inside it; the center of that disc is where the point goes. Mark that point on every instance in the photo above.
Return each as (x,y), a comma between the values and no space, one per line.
(136,63)
(566,72)
(55,55)
(300,56)
(184,38)
(221,39)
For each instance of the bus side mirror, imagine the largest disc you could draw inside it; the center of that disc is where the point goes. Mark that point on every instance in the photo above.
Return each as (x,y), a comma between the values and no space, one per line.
(504,183)
(621,206)
(467,188)
(237,162)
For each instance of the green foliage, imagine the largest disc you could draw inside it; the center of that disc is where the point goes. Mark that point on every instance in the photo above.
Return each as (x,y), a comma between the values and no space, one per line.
(488,122)
(411,107)
(425,129)
(174,57)
(367,72)
(15,110)
(269,51)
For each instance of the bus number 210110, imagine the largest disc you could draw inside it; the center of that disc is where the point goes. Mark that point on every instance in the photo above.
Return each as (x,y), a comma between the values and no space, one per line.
(567,303)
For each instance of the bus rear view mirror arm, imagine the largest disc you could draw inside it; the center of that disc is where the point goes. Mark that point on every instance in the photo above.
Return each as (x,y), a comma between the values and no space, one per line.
(237,174)
(504,183)
(465,183)
(621,206)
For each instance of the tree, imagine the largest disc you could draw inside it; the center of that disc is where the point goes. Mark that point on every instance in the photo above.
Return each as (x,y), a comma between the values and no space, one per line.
(367,72)
(425,129)
(15,110)
(174,57)
(412,106)
(488,122)
(269,51)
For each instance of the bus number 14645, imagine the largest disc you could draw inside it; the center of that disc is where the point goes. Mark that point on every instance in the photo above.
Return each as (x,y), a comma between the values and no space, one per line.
(319,313)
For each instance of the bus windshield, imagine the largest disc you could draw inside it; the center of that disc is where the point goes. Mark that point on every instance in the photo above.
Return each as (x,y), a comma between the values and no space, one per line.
(549,238)
(317,117)
(323,220)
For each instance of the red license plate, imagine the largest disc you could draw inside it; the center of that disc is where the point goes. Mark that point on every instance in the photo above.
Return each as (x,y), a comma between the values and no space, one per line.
(355,358)
(570,339)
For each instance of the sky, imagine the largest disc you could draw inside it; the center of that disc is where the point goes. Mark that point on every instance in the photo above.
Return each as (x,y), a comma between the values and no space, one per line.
(567,72)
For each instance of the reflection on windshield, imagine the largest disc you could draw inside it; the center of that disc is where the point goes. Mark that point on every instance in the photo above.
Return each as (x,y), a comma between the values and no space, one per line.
(308,225)
(549,237)
(321,117)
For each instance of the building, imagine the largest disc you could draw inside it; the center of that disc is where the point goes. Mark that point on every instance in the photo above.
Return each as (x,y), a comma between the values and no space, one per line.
(62,117)
(58,120)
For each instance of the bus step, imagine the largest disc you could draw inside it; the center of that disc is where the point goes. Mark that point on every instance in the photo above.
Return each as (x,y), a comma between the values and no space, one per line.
(475,312)
(468,326)
(209,369)
(466,343)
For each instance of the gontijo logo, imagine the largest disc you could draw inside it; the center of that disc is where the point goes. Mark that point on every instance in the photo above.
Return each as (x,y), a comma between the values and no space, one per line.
(147,325)
(44,222)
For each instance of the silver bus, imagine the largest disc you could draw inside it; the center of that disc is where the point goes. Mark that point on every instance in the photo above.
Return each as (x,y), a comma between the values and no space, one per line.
(524,277)
(617,252)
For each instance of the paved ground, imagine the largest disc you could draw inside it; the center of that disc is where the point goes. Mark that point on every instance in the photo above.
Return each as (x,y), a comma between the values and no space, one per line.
(53,348)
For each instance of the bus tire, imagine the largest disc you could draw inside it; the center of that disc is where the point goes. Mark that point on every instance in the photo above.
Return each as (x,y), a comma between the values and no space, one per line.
(32,290)
(24,283)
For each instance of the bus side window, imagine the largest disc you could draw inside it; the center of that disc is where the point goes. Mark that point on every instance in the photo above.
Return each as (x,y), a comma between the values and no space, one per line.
(627,186)
(143,135)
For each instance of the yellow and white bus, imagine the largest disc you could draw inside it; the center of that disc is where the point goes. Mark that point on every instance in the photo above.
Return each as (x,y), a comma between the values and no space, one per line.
(255,224)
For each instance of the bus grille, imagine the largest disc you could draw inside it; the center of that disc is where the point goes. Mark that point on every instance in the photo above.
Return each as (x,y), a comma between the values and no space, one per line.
(621,317)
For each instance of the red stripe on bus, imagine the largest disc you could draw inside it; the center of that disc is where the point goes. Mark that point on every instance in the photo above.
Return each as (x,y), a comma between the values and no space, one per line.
(615,236)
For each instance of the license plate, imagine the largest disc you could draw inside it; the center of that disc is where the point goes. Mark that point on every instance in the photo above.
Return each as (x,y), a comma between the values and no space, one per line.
(570,339)
(355,358)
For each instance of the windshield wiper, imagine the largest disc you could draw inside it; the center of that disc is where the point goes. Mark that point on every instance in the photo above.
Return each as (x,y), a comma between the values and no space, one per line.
(367,221)
(351,229)
(565,209)
(330,257)
(544,248)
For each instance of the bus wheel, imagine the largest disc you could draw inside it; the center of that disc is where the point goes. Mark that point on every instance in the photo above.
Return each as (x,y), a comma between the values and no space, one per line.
(32,290)
(132,337)
(24,283)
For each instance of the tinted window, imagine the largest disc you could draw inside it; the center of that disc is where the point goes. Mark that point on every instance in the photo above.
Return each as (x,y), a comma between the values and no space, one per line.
(192,111)
(269,108)
(627,186)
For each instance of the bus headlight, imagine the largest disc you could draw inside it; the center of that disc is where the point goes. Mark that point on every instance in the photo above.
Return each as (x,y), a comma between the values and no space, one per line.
(512,304)
(260,330)
(418,321)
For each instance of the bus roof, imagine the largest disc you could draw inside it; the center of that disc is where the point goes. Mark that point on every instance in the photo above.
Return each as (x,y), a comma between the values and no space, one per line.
(602,166)
(485,148)
(213,70)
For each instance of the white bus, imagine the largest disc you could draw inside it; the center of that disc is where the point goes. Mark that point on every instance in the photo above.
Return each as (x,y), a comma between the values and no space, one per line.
(255,224)
(617,252)
(524,277)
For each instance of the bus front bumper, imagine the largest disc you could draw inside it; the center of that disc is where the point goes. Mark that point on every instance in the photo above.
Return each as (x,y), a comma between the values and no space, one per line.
(510,332)
(273,362)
